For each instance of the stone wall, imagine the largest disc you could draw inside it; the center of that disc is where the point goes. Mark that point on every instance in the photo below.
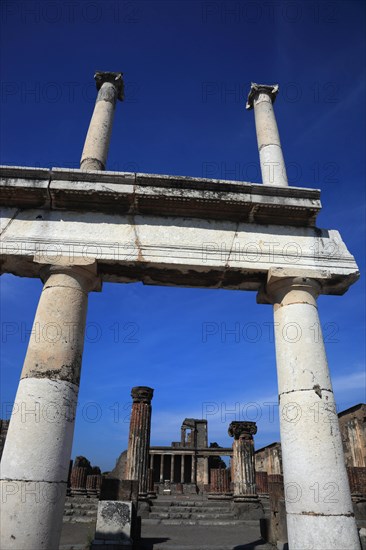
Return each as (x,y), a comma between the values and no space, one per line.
(352,424)
(4,424)
(269,459)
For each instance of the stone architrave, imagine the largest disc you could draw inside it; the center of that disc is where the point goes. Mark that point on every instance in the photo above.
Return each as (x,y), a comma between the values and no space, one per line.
(243,466)
(139,438)
(312,451)
(36,457)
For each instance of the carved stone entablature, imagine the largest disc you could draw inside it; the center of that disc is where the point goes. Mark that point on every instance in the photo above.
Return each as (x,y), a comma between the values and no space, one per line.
(244,430)
(142,394)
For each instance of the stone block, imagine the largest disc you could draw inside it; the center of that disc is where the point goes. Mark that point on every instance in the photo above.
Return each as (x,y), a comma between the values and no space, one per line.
(119,489)
(114,522)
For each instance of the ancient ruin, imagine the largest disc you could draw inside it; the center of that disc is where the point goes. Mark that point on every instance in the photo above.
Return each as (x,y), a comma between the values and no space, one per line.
(242,236)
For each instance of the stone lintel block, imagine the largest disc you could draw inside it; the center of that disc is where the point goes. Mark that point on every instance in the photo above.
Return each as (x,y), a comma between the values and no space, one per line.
(121,192)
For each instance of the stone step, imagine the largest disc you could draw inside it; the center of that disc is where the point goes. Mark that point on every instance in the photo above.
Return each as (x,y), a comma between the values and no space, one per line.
(189,515)
(78,507)
(192,503)
(79,519)
(192,522)
(201,509)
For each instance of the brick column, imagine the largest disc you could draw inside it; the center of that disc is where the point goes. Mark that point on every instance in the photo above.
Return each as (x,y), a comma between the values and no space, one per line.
(243,466)
(139,437)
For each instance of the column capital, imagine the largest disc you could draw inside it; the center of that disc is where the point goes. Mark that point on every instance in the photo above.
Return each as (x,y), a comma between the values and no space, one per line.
(85,273)
(270,89)
(242,430)
(281,281)
(142,394)
(113,78)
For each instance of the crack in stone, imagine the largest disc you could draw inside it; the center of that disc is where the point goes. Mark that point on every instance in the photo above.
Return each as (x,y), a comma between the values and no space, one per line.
(306,389)
(10,221)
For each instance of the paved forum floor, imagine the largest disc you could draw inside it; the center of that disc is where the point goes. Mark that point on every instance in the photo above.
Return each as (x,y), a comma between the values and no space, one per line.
(75,536)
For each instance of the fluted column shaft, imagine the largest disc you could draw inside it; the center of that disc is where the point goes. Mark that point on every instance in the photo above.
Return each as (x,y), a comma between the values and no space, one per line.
(139,438)
(243,465)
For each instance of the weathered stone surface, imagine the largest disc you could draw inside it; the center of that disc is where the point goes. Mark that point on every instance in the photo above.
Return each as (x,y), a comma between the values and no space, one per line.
(114,521)
(137,461)
(163,248)
(311,450)
(352,423)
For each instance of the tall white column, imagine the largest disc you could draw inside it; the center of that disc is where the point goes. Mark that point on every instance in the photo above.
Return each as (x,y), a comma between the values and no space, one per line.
(95,152)
(261,98)
(318,500)
(36,458)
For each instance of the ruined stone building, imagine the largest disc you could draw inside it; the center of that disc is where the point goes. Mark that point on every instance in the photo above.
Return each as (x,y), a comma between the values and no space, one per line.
(185,465)
(352,423)
(4,424)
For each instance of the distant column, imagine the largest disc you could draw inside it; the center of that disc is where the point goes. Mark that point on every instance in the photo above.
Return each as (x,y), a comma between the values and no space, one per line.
(182,470)
(172,469)
(161,468)
(193,469)
(110,88)
(261,97)
(139,437)
(243,474)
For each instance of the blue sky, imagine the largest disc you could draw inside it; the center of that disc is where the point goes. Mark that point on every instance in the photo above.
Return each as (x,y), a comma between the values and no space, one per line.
(187,67)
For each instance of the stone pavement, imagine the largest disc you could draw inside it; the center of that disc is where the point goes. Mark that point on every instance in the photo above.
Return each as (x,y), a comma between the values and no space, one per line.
(76,536)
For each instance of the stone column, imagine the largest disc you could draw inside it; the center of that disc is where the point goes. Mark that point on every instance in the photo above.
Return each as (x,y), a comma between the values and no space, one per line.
(206,473)
(182,470)
(273,168)
(36,459)
(172,469)
(94,156)
(318,500)
(139,437)
(193,469)
(243,467)
(183,436)
(162,468)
